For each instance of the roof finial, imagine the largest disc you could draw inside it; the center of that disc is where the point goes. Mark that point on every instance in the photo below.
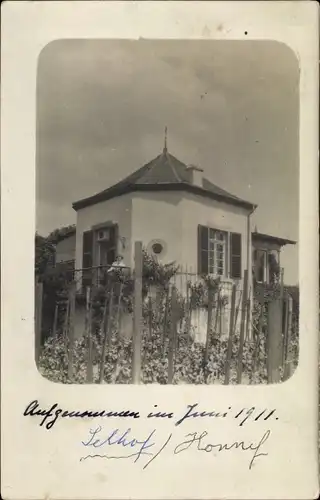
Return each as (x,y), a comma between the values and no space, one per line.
(165,139)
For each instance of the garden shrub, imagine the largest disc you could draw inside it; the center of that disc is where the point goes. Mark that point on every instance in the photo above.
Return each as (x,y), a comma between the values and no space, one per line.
(188,364)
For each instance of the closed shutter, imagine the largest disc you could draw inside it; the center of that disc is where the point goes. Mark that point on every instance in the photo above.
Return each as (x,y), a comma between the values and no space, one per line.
(235,256)
(87,258)
(203,238)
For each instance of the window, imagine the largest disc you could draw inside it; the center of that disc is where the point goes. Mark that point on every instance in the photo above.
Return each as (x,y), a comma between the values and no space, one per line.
(219,252)
(157,248)
(260,265)
(265,265)
(99,249)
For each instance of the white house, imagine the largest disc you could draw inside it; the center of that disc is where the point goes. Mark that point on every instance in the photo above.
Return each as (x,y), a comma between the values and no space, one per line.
(179,216)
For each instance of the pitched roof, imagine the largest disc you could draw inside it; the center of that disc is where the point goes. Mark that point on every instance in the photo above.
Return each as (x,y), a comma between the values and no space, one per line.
(273,239)
(165,172)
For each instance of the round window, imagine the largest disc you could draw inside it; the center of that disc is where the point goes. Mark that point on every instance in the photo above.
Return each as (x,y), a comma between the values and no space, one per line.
(157,248)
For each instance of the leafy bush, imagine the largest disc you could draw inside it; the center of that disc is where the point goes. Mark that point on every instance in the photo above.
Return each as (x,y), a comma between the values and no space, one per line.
(188,363)
(189,367)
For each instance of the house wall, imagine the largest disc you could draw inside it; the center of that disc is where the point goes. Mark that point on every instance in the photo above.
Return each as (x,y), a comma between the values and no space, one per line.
(158,215)
(217,215)
(66,249)
(118,210)
(174,218)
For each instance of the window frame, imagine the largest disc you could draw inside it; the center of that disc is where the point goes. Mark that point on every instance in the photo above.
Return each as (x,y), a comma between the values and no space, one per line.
(266,265)
(204,252)
(267,252)
(225,244)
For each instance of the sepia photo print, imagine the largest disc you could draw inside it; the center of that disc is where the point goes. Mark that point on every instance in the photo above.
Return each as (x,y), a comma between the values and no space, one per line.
(166,245)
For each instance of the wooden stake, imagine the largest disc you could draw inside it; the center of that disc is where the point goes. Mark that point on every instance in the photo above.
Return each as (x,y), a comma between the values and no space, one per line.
(165,320)
(285,332)
(281,283)
(107,335)
(257,345)
(274,340)
(38,320)
(137,314)
(55,320)
(209,325)
(188,305)
(88,327)
(248,317)
(237,312)
(72,306)
(217,313)
(66,327)
(150,316)
(230,340)
(220,316)
(119,307)
(242,325)
(173,334)
(288,368)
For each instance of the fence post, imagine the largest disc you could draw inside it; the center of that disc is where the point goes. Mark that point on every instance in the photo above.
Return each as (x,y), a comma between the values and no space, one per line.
(237,312)
(242,325)
(217,303)
(248,316)
(255,355)
(188,311)
(209,325)
(72,302)
(88,327)
(173,334)
(118,321)
(288,363)
(55,320)
(285,314)
(38,319)
(66,327)
(281,283)
(230,340)
(150,316)
(274,340)
(137,313)
(165,317)
(107,330)
(220,315)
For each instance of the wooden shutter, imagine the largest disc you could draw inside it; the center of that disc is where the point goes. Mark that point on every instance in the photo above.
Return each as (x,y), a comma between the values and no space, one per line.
(235,256)
(87,258)
(203,238)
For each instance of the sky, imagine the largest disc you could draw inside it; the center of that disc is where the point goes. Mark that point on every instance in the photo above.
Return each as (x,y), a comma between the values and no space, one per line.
(231,107)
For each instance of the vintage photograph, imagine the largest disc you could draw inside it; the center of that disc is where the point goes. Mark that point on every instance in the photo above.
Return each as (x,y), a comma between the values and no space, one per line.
(167,205)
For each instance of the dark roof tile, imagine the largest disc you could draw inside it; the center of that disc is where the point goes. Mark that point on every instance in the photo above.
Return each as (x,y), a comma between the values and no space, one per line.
(163,172)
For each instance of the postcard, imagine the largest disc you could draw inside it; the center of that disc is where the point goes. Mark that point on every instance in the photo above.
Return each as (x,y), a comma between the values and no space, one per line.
(159,250)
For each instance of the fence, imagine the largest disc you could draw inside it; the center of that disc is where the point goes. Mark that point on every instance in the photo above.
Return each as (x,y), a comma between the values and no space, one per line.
(163,325)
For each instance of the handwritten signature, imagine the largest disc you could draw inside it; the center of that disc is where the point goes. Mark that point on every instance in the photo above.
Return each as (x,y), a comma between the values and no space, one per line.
(125,440)
(210,447)
(137,448)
